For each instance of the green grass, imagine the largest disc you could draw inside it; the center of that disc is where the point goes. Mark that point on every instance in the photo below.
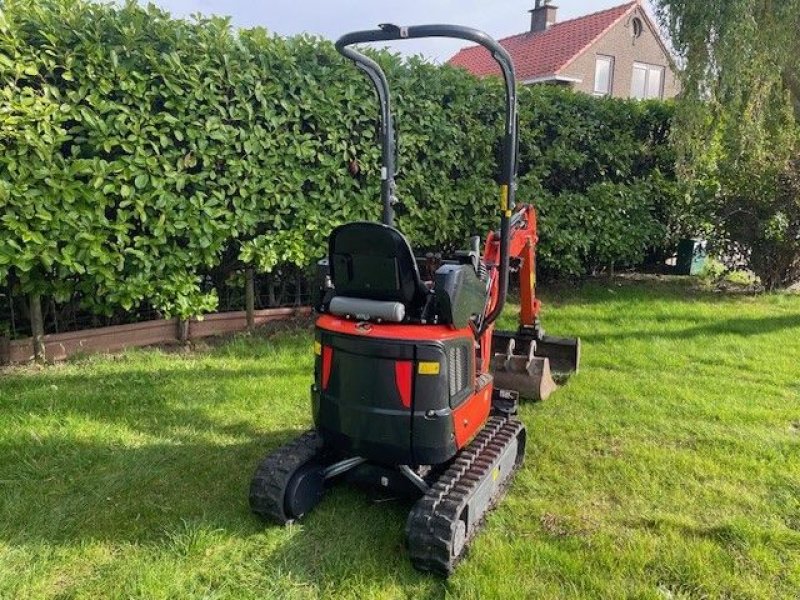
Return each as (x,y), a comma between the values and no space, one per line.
(668,468)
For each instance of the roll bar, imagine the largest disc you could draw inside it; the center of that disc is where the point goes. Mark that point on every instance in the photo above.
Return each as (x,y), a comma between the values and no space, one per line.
(508,175)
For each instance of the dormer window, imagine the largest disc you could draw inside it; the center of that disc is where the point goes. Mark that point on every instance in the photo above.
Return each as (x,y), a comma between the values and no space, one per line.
(636,28)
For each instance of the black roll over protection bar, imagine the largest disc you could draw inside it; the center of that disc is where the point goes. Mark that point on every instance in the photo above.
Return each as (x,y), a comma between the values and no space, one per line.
(508,175)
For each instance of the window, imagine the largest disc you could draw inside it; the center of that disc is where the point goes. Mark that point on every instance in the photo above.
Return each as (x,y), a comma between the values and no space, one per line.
(647,81)
(639,81)
(603,75)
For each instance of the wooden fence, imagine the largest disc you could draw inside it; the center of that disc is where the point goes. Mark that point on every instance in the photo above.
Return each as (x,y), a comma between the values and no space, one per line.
(119,337)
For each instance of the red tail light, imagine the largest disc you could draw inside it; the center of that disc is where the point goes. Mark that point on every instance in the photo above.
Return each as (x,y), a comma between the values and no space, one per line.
(403,373)
(327,363)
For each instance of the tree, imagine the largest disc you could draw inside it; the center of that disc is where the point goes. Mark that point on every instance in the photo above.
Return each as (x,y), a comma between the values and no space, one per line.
(736,127)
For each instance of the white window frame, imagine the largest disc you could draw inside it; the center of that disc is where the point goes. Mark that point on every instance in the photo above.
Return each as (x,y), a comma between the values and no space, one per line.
(604,58)
(649,71)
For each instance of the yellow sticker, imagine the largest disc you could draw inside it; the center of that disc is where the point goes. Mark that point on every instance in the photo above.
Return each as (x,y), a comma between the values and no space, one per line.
(504,199)
(428,368)
(317,348)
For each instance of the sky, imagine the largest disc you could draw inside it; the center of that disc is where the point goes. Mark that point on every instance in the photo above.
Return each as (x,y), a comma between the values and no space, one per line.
(332,18)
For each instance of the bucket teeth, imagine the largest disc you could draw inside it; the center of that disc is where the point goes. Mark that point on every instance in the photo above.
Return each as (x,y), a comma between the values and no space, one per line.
(525,366)
(528,375)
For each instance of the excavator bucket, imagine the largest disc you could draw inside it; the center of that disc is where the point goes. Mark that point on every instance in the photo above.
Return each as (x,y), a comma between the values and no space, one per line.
(531,364)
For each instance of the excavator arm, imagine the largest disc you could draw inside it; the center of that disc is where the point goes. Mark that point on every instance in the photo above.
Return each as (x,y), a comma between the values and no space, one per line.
(524,360)
(522,250)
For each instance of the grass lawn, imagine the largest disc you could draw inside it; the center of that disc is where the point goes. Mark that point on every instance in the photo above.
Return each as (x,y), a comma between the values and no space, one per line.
(668,468)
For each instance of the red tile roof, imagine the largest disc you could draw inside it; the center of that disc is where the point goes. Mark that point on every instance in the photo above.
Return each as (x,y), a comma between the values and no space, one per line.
(544,53)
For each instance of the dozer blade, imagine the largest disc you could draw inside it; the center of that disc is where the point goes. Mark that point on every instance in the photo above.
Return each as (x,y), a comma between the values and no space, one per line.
(564,353)
(526,363)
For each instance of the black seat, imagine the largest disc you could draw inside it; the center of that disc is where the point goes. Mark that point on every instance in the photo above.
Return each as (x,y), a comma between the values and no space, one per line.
(375,262)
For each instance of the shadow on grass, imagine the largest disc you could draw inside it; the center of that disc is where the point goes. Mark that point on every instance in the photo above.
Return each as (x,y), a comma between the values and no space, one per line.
(146,402)
(63,492)
(724,534)
(743,327)
(156,394)
(354,536)
(632,290)
(82,464)
(66,480)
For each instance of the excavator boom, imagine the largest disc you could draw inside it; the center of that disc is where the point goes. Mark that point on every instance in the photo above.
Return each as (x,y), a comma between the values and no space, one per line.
(526,360)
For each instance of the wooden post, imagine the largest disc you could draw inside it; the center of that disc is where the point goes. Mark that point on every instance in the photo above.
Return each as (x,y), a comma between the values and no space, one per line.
(5,348)
(183,331)
(250,298)
(37,327)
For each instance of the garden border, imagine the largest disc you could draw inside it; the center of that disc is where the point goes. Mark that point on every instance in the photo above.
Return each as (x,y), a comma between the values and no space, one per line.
(60,346)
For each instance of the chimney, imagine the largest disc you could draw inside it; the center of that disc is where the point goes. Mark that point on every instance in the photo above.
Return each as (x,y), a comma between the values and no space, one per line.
(542,16)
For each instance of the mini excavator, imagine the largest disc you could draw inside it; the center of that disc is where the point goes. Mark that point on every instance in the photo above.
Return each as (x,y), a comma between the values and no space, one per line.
(415,393)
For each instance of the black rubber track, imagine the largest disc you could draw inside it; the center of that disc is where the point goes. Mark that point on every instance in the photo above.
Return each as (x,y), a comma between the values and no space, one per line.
(268,487)
(433,522)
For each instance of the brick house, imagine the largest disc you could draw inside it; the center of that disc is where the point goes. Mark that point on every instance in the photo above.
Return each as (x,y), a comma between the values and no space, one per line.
(615,52)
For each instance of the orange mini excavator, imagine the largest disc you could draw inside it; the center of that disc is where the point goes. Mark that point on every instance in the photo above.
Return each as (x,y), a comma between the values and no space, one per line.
(409,394)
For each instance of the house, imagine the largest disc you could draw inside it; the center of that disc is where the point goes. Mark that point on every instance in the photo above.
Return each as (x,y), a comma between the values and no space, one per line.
(615,52)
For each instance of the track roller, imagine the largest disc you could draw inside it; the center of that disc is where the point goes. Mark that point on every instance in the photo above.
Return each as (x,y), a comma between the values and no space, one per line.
(446,519)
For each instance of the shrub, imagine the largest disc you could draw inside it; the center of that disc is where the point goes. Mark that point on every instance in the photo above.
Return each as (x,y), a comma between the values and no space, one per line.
(762,217)
(611,225)
(142,152)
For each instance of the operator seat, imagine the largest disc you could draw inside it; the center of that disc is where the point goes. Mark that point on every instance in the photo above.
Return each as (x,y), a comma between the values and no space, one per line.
(374,272)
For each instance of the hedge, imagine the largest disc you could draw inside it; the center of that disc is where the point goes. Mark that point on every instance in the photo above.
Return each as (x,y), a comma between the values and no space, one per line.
(140,151)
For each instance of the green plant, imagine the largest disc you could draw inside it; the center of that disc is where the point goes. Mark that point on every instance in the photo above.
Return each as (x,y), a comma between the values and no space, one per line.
(667,468)
(143,152)
(713,271)
(610,225)
(764,219)
(737,123)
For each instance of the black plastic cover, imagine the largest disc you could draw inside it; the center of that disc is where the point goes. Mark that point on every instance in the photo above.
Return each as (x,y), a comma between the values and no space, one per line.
(460,294)
(323,287)
(360,413)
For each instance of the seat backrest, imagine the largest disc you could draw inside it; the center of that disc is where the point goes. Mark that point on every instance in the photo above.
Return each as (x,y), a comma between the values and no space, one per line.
(375,262)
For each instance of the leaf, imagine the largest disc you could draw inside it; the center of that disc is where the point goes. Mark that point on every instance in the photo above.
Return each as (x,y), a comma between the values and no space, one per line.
(155,164)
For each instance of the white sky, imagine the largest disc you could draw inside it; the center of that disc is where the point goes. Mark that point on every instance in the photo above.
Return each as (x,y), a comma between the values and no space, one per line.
(329,19)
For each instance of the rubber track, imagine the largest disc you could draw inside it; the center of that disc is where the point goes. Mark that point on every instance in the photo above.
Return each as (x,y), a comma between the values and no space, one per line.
(432,522)
(268,487)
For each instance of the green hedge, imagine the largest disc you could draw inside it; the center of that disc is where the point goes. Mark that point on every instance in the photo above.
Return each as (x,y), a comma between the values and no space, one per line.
(140,150)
